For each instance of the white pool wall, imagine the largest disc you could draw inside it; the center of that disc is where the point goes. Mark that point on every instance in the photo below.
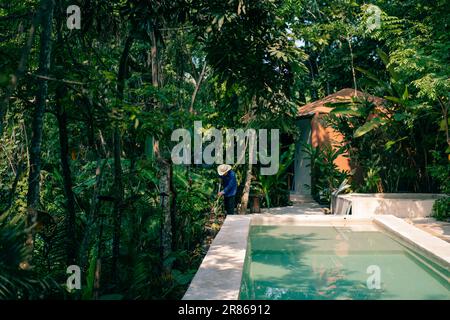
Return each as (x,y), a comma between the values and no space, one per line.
(401,205)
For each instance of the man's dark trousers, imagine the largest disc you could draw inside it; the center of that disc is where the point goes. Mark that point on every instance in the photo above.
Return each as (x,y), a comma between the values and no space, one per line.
(229,204)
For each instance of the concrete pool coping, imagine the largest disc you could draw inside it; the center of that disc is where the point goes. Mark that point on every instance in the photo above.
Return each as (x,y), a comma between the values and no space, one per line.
(220,274)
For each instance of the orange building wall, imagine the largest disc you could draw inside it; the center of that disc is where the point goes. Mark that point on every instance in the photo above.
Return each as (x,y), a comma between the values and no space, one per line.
(321,136)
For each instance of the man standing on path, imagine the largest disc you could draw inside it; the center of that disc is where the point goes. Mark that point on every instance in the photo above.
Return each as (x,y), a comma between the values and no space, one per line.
(229,184)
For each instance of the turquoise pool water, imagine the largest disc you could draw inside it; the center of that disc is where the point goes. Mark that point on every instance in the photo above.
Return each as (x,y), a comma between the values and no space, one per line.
(290,262)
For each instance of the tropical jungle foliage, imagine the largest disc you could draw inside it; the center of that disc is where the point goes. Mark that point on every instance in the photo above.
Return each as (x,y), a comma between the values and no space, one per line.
(86,117)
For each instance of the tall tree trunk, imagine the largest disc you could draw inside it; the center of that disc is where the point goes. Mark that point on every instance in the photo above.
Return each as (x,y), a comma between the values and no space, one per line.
(444,110)
(197,88)
(118,182)
(165,170)
(38,117)
(352,58)
(118,199)
(98,266)
(70,222)
(61,115)
(166,201)
(248,179)
(92,220)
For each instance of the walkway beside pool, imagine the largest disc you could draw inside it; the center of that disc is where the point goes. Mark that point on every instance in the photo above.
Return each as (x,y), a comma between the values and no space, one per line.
(439,229)
(312,208)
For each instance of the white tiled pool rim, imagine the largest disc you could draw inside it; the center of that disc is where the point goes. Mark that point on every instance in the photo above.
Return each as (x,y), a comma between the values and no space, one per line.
(220,274)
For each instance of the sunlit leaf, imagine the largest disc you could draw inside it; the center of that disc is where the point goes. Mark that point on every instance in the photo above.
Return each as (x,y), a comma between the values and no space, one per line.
(368,126)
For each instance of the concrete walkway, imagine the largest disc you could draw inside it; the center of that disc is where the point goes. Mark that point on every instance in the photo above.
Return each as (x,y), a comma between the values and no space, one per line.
(301,208)
(436,228)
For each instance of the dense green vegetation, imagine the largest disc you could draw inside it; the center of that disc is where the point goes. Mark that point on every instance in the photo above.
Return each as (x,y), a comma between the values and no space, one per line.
(86,117)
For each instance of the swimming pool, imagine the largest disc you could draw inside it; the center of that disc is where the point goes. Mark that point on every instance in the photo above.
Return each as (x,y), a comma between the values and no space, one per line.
(337,262)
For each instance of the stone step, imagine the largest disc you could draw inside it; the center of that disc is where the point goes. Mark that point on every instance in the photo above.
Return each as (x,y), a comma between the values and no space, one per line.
(300,198)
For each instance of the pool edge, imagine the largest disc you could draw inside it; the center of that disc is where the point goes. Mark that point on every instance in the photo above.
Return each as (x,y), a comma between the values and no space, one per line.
(220,274)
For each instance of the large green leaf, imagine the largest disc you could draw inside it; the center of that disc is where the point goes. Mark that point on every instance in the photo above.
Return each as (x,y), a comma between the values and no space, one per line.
(383,56)
(442,126)
(386,61)
(347,109)
(394,99)
(369,126)
(385,85)
(405,95)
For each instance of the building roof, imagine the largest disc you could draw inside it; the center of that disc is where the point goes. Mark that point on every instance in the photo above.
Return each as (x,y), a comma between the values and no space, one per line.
(343,95)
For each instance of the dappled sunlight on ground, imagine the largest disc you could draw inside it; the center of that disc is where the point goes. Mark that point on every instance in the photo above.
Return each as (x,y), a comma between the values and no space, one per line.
(436,228)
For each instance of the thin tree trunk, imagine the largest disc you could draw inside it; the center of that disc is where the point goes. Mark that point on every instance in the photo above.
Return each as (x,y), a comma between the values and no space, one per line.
(173,210)
(93,213)
(191,61)
(249,176)
(61,115)
(246,192)
(118,199)
(38,117)
(166,200)
(98,273)
(154,60)
(352,64)
(67,178)
(98,266)
(444,110)
(118,181)
(197,88)
(165,171)
(313,90)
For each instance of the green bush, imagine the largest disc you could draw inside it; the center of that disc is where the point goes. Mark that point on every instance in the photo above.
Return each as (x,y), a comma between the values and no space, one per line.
(274,187)
(441,209)
(440,171)
(18,280)
(325,174)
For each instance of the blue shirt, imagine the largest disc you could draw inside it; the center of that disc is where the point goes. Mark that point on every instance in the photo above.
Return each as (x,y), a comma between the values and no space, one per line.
(229,184)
